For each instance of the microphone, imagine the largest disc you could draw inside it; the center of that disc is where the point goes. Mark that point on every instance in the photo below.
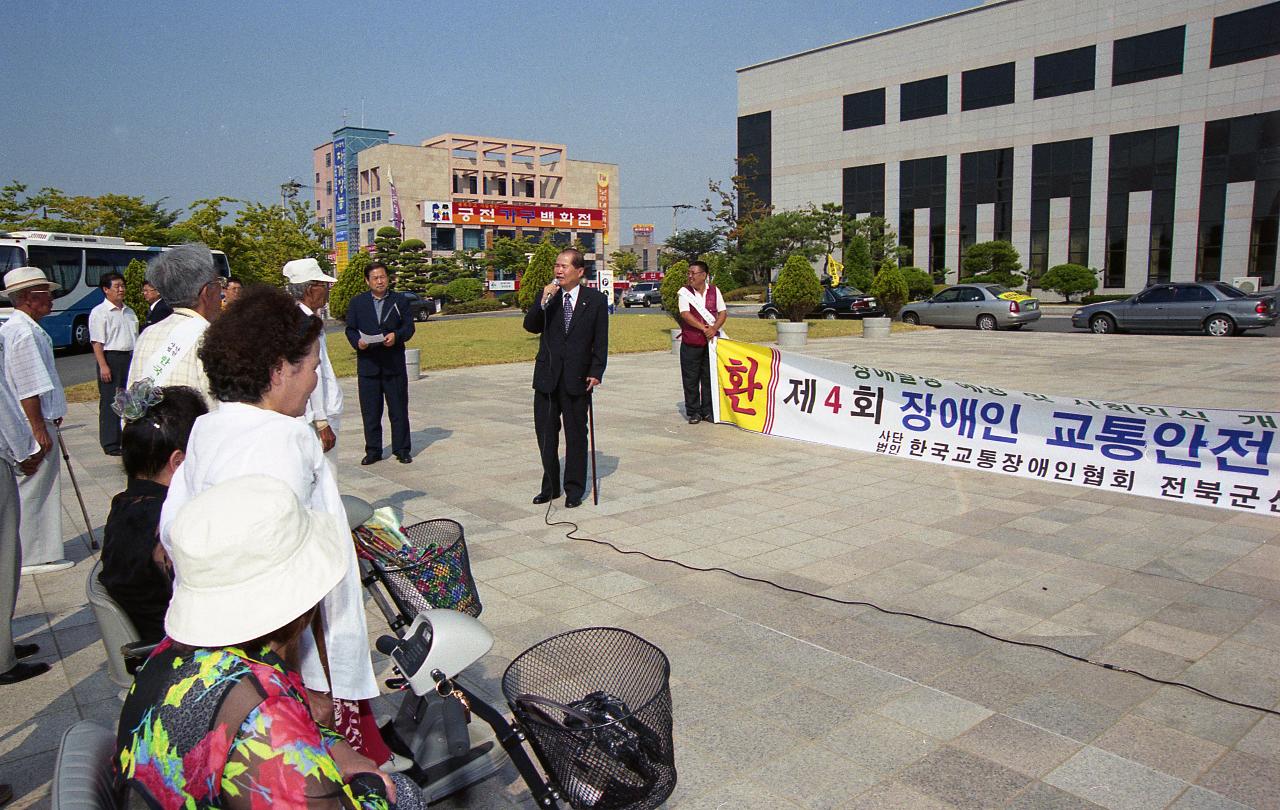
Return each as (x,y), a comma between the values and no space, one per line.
(546,299)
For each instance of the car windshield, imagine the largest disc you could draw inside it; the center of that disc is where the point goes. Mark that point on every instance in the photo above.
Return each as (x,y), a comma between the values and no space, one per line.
(1229,291)
(996,289)
(846,292)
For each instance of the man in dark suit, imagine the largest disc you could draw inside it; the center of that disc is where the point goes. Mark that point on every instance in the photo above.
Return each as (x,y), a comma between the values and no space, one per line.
(574,323)
(379,324)
(157,308)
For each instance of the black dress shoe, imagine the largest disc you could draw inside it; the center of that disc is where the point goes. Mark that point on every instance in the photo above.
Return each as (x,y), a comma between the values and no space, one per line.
(370,458)
(693,420)
(25,650)
(543,497)
(115,451)
(404,458)
(21,672)
(573,503)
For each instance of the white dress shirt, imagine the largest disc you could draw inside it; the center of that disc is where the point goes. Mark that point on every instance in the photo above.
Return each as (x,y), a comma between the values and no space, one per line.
(29,369)
(325,403)
(17,442)
(116,328)
(240,439)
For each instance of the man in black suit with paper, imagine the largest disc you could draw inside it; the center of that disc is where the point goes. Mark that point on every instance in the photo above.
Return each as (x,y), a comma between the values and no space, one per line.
(574,323)
(379,323)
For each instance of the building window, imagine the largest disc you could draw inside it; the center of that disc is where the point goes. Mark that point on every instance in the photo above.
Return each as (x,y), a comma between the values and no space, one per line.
(472,239)
(317,177)
(922,183)
(443,238)
(1060,169)
(588,240)
(328,188)
(864,109)
(986,178)
(923,99)
(755,155)
(328,159)
(1246,35)
(1148,56)
(560,239)
(1065,72)
(864,190)
(1141,161)
(986,87)
(1240,150)
(369,239)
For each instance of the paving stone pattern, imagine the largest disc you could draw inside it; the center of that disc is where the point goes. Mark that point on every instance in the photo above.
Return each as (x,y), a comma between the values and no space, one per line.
(783,701)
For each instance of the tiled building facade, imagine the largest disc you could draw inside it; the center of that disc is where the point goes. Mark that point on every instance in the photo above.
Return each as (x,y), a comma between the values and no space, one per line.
(1140,137)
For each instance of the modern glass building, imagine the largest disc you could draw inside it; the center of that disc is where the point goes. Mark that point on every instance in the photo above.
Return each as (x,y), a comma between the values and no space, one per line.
(1139,137)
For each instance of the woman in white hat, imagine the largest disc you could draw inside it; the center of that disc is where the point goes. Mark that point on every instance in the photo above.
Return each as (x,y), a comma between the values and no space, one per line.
(261,357)
(218,716)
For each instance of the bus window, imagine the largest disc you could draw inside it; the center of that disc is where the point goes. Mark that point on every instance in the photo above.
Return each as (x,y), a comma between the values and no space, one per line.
(61,264)
(99,262)
(220,262)
(10,258)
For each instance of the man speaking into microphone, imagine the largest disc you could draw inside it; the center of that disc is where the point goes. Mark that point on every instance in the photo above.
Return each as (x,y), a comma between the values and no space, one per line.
(574,324)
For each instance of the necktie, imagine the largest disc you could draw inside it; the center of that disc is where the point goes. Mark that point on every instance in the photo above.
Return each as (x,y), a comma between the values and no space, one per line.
(568,311)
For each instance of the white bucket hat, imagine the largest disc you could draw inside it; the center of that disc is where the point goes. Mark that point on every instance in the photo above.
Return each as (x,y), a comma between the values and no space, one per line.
(24,278)
(250,559)
(300,271)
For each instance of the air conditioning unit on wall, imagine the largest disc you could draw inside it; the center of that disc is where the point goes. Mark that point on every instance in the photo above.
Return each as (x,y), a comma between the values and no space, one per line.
(1249,284)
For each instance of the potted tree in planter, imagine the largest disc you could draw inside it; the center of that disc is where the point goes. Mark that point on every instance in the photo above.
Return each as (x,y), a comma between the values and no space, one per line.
(677,276)
(890,289)
(796,293)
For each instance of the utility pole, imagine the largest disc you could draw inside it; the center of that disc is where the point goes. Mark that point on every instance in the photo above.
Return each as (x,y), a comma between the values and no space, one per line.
(675,209)
(289,191)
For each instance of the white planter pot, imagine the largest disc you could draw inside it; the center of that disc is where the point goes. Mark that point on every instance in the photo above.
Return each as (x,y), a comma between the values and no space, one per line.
(675,341)
(876,327)
(792,334)
(413,363)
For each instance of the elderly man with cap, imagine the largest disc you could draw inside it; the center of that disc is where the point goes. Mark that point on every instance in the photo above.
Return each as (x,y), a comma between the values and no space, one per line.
(309,286)
(166,352)
(33,380)
(19,457)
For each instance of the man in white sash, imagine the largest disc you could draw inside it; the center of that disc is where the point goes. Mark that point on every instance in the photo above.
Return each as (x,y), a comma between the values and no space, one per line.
(702,313)
(30,374)
(309,286)
(166,353)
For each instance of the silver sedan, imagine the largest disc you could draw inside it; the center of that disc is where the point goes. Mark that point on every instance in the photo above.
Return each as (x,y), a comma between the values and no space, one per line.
(1211,307)
(985,306)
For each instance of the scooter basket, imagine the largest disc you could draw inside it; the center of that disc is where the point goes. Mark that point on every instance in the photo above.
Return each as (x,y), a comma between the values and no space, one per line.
(432,570)
(596,706)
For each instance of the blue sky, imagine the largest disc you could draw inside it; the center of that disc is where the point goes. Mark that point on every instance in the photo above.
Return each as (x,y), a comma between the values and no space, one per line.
(191,100)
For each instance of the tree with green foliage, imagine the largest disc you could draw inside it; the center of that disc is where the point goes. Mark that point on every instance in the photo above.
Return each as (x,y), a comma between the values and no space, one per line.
(414,264)
(462,290)
(767,243)
(134,274)
(890,288)
(625,264)
(259,240)
(691,243)
(867,242)
(992,262)
(541,269)
(386,249)
(508,255)
(919,283)
(797,292)
(49,209)
(720,271)
(1069,279)
(350,284)
(677,276)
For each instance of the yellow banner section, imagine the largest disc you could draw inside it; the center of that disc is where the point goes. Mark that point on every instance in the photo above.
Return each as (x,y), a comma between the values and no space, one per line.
(745,371)
(1014,295)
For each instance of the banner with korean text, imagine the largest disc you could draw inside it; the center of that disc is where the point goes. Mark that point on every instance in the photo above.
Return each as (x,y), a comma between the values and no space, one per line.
(1205,456)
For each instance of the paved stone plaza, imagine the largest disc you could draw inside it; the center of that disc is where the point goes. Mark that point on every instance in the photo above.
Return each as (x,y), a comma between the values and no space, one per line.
(783,701)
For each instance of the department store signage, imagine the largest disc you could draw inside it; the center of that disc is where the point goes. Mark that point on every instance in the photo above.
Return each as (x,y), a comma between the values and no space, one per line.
(1223,458)
(515,216)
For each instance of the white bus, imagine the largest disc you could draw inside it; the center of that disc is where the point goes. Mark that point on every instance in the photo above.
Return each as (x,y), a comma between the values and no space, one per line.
(76,262)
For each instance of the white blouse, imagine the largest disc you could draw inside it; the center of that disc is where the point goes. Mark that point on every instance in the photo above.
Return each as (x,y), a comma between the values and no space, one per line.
(239,439)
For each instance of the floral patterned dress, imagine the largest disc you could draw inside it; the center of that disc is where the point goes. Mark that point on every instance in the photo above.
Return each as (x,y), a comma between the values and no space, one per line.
(220,728)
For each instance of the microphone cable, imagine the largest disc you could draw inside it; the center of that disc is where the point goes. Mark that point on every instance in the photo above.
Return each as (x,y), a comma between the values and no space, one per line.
(573,534)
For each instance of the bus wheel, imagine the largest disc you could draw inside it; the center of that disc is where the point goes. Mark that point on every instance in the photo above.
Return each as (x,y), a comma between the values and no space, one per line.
(80,335)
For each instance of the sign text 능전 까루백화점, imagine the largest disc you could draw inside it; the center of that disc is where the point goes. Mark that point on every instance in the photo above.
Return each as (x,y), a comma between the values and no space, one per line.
(524,216)
(1211,457)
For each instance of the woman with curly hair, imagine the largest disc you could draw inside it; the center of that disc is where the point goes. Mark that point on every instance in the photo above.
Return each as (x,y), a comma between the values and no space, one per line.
(261,358)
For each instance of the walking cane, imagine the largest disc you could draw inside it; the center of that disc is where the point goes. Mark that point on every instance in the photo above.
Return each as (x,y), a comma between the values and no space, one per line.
(591,429)
(66,457)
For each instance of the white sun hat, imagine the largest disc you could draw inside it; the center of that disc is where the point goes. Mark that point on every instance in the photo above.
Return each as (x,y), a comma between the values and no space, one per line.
(250,559)
(24,278)
(300,271)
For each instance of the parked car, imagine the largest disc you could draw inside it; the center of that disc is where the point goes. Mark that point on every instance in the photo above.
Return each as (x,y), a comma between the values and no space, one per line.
(1213,307)
(642,294)
(837,302)
(985,306)
(421,308)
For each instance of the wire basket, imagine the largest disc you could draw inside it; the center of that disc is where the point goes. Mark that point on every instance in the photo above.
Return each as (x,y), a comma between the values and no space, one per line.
(432,570)
(596,705)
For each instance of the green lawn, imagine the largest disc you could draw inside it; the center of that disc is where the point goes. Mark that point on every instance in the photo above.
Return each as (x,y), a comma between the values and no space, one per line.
(490,340)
